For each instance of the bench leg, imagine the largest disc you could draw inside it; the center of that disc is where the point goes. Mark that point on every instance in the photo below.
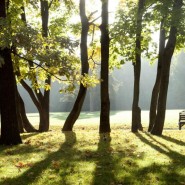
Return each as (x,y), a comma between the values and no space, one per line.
(179,126)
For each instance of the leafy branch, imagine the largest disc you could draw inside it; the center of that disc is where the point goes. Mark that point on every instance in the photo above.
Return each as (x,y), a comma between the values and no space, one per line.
(38,65)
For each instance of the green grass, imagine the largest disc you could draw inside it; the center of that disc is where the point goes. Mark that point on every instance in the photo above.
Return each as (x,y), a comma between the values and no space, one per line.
(116,117)
(87,158)
(84,157)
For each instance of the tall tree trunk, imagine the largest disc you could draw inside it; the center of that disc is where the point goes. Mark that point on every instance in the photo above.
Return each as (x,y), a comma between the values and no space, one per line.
(156,88)
(42,107)
(168,53)
(9,124)
(24,123)
(136,111)
(75,112)
(42,104)
(40,100)
(161,107)
(24,120)
(104,88)
(44,17)
(44,99)
(44,113)
(20,122)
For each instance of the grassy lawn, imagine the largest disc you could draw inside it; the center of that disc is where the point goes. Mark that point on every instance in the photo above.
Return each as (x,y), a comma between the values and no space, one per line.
(87,158)
(116,117)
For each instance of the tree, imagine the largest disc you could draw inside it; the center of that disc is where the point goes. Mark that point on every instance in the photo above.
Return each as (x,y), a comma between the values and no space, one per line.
(176,18)
(9,124)
(24,123)
(74,114)
(41,100)
(44,56)
(44,98)
(136,111)
(104,89)
(131,37)
(156,88)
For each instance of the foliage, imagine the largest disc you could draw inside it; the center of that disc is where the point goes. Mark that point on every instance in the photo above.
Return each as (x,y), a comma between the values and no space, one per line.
(63,41)
(123,32)
(54,55)
(124,28)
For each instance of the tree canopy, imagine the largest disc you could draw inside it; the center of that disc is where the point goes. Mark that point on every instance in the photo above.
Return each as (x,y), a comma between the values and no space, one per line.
(76,44)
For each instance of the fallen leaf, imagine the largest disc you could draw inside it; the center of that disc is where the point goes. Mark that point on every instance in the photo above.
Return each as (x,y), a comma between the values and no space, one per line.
(55,164)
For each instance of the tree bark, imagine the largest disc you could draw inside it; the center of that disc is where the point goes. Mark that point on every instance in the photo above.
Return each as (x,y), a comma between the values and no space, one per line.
(136,111)
(20,122)
(44,99)
(42,104)
(9,124)
(156,88)
(75,112)
(44,17)
(9,121)
(104,88)
(40,100)
(44,113)
(24,120)
(161,107)
(168,53)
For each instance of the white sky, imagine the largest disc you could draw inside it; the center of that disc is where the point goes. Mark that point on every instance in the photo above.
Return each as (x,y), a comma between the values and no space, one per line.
(95,5)
(112,9)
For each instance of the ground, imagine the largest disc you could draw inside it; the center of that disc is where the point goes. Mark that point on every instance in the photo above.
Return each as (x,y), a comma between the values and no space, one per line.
(87,158)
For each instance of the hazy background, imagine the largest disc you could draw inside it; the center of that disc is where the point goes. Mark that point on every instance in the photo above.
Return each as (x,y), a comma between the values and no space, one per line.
(121,89)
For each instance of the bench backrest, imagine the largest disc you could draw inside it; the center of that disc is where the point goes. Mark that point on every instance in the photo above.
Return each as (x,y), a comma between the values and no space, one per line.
(182,115)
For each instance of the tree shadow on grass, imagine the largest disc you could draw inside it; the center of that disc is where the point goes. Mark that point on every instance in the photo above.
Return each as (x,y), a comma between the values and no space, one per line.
(112,166)
(53,162)
(26,147)
(176,141)
(62,163)
(3,147)
(21,150)
(13,148)
(104,173)
(167,172)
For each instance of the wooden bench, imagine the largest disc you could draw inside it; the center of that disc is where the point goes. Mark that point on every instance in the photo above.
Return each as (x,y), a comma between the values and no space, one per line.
(181,119)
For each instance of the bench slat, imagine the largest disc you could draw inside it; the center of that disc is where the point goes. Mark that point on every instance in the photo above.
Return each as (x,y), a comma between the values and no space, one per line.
(181,119)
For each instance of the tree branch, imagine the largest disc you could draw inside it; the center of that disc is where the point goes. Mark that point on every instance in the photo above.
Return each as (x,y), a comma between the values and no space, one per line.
(94,20)
(92,13)
(38,65)
(91,58)
(50,4)
(30,91)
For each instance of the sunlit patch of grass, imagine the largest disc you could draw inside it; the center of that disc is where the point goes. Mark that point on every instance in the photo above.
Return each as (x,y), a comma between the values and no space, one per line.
(87,158)
(117,119)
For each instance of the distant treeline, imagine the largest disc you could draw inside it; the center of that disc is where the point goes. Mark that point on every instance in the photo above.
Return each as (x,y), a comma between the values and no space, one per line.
(121,89)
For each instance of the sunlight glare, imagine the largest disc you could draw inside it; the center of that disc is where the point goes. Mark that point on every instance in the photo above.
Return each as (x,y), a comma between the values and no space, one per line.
(95,5)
